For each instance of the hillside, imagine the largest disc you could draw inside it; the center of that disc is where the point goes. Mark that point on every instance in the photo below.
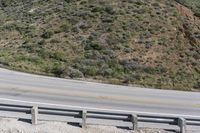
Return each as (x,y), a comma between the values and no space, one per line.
(194,5)
(151,43)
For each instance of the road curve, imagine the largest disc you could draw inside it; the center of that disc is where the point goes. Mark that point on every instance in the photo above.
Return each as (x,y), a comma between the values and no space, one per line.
(41,89)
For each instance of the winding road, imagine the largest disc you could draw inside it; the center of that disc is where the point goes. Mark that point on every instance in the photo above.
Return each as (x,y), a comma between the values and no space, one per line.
(22,87)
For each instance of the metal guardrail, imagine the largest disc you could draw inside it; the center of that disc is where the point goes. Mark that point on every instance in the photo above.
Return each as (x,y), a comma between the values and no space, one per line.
(84,115)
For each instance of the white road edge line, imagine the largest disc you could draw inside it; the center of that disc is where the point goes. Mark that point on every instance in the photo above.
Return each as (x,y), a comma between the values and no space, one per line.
(99,109)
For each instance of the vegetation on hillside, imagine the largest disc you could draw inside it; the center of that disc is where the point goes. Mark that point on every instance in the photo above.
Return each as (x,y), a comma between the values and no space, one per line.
(138,42)
(194,5)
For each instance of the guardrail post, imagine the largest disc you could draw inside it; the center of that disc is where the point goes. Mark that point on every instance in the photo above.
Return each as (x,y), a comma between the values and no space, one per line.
(182,125)
(134,120)
(84,117)
(34,115)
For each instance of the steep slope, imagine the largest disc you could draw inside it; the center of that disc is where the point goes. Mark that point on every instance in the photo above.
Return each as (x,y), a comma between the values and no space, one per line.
(154,43)
(194,5)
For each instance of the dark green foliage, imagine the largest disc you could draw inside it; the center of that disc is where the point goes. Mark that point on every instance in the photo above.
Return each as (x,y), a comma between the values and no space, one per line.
(47,34)
(197,35)
(92,45)
(90,71)
(197,85)
(57,69)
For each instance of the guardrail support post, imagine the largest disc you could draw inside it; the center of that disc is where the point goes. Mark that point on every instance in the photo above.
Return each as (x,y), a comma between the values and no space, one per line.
(134,120)
(84,117)
(34,115)
(182,125)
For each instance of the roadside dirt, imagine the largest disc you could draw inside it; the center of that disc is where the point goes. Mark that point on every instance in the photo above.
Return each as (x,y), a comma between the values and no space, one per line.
(8,125)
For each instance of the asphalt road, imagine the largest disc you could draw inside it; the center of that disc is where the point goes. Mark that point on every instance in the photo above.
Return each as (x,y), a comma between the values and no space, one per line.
(21,87)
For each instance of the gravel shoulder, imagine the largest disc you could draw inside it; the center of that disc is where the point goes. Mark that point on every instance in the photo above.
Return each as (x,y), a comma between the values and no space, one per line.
(10,125)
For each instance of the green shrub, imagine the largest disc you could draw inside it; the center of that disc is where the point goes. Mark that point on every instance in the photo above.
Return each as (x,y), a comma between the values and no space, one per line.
(74,73)
(97,9)
(59,56)
(91,71)
(57,69)
(93,45)
(109,10)
(65,27)
(197,14)
(197,35)
(47,34)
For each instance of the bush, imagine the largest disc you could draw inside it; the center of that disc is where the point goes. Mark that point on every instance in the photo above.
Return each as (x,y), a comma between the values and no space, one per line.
(74,73)
(90,71)
(59,56)
(93,45)
(57,69)
(197,14)
(154,70)
(65,27)
(97,9)
(197,35)
(47,34)
(109,10)
(197,85)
